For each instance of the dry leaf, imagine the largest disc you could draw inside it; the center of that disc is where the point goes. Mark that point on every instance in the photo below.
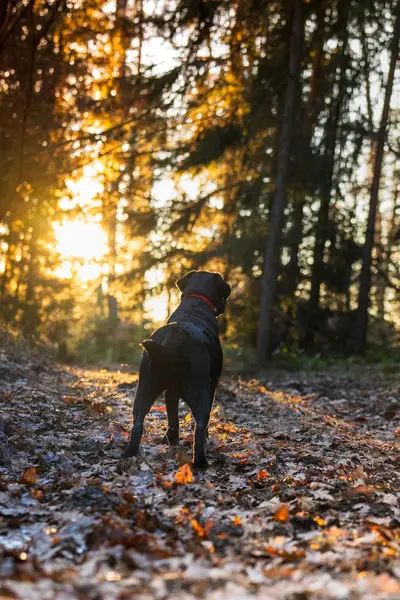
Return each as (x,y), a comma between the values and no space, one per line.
(184,475)
(361,490)
(359,474)
(262,475)
(282,514)
(37,494)
(30,476)
(198,528)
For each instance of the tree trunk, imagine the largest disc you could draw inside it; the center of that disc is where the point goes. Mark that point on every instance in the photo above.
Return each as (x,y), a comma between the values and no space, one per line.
(380,283)
(365,279)
(303,158)
(384,275)
(4,275)
(295,238)
(4,14)
(380,280)
(110,202)
(30,319)
(139,11)
(111,224)
(273,242)
(322,229)
(31,59)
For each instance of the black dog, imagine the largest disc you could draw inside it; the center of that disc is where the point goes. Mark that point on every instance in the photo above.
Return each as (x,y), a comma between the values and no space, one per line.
(184,359)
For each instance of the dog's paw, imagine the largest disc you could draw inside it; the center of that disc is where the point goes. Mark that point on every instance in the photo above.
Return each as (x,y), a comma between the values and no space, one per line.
(170,440)
(200,464)
(130,452)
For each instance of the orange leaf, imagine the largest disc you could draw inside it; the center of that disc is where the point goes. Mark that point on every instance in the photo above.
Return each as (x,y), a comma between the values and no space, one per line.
(38,494)
(30,476)
(361,490)
(123,509)
(237,520)
(184,475)
(69,399)
(262,475)
(198,528)
(282,513)
(283,553)
(164,483)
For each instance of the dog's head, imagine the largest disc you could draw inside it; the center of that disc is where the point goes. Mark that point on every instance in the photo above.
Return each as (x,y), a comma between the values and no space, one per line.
(211,285)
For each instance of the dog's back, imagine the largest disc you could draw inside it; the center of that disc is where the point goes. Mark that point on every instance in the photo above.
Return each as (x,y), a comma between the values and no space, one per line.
(173,349)
(168,351)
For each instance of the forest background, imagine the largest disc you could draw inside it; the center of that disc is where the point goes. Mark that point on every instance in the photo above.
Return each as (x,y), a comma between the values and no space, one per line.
(140,139)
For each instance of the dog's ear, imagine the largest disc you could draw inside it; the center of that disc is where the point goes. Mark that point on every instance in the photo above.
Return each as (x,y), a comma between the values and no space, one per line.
(183,281)
(223,287)
(223,291)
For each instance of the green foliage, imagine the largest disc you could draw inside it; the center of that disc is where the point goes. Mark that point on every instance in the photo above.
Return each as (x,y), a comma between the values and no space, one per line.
(98,341)
(211,145)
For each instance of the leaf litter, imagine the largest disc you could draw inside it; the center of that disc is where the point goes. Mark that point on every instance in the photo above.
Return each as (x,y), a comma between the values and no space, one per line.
(301,499)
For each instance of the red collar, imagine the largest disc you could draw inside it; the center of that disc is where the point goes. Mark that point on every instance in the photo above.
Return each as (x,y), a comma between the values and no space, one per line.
(210,304)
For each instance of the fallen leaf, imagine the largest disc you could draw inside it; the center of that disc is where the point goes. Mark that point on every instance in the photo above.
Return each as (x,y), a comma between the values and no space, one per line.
(282,513)
(198,528)
(262,475)
(30,476)
(184,475)
(361,490)
(359,475)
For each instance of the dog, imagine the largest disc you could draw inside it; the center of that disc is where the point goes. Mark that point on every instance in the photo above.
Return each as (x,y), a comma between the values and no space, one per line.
(184,359)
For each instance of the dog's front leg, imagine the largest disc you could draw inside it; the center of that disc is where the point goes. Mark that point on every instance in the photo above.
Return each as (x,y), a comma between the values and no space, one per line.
(136,434)
(200,407)
(172,403)
(147,391)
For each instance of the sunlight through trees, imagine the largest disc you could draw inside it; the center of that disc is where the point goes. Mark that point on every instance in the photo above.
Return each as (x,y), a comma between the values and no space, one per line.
(141,137)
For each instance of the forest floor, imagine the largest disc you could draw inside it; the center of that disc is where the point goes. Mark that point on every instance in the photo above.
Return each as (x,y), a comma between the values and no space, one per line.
(300,500)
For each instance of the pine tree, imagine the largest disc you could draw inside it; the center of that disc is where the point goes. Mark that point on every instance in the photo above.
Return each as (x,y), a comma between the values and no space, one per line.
(364,290)
(272,248)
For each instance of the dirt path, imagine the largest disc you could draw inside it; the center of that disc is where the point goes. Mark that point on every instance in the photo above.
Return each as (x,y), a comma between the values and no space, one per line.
(300,501)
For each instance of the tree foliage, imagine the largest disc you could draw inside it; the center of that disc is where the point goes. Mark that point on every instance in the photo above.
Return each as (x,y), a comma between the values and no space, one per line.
(163,123)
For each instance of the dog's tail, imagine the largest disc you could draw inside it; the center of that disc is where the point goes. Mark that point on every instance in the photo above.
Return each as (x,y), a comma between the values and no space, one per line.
(159,353)
(169,353)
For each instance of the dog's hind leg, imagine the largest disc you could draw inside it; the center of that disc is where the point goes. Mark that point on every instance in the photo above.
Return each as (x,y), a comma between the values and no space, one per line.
(200,406)
(197,396)
(147,391)
(216,370)
(172,403)
(214,384)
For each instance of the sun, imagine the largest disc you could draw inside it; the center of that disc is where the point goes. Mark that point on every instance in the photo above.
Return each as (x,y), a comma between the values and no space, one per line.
(78,239)
(82,246)
(156,308)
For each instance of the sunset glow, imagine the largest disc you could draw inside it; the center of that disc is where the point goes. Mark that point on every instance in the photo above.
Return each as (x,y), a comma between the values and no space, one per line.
(78,239)
(83,246)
